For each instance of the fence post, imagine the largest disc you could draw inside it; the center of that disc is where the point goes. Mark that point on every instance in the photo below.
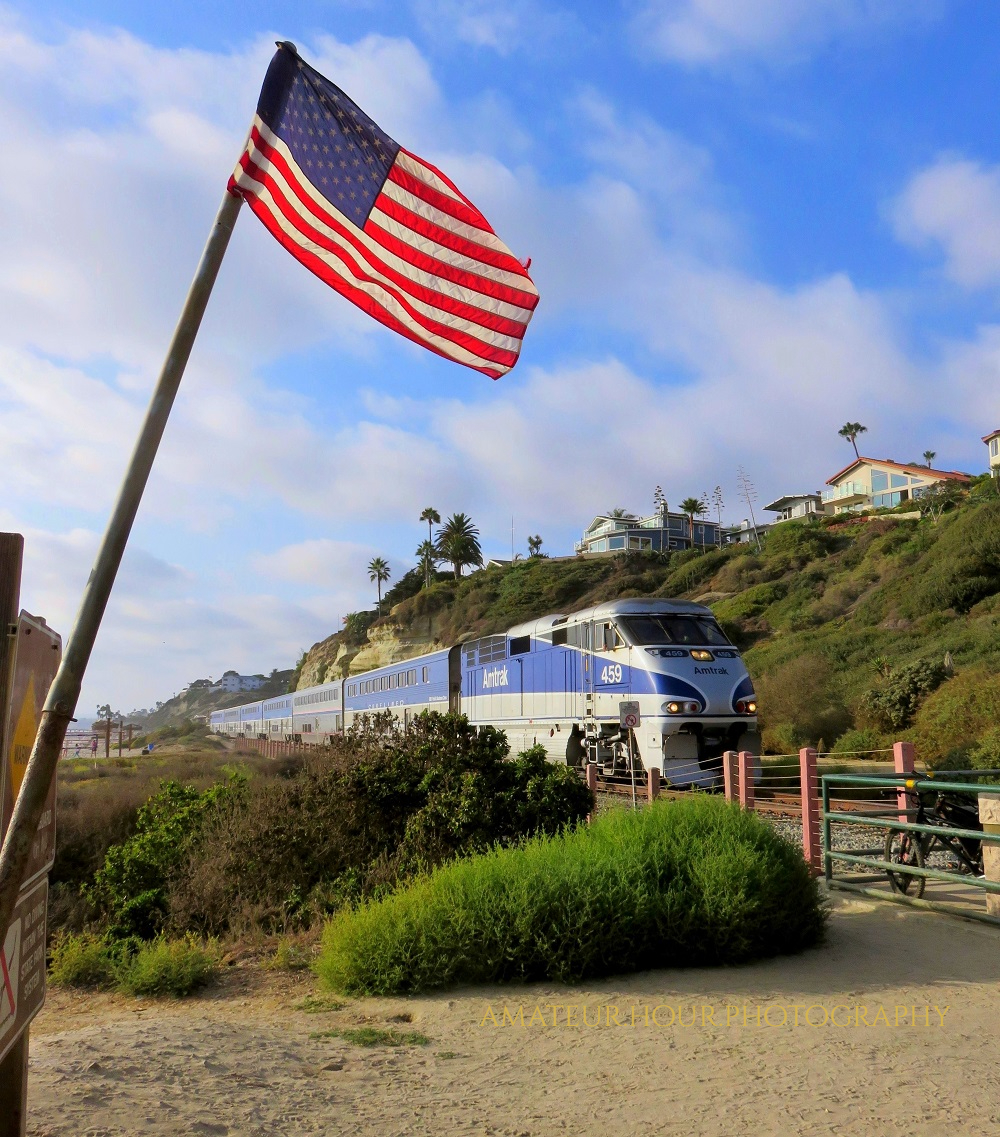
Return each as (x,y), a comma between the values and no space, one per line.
(591,773)
(902,757)
(989,815)
(808,781)
(728,770)
(745,767)
(652,784)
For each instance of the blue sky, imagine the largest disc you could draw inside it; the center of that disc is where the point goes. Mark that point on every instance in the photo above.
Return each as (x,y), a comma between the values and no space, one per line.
(748,223)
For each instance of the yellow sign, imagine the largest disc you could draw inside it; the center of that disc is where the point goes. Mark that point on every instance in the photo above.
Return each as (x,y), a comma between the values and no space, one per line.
(24,738)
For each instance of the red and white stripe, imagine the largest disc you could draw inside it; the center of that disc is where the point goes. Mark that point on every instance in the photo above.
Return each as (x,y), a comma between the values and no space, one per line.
(427,263)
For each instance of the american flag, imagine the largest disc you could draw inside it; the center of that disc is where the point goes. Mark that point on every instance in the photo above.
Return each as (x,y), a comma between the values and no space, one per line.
(383,227)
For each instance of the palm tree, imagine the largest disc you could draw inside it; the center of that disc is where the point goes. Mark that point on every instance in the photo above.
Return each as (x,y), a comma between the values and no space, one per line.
(693,506)
(432,517)
(534,546)
(379,571)
(618,512)
(850,431)
(929,456)
(427,558)
(458,543)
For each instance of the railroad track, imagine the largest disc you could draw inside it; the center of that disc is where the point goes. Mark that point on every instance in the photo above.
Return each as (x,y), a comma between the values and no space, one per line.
(771,802)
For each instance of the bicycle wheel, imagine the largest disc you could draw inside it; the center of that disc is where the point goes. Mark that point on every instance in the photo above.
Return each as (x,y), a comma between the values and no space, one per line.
(905,849)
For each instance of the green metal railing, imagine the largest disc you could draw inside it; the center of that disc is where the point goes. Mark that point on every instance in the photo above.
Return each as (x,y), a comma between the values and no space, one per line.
(886,815)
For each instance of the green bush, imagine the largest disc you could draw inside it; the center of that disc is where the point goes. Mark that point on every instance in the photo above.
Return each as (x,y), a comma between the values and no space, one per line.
(82,960)
(168,967)
(691,882)
(892,705)
(131,887)
(161,967)
(382,804)
(958,717)
(858,742)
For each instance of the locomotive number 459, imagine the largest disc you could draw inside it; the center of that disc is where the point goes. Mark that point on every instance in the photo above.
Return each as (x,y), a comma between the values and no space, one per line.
(612,673)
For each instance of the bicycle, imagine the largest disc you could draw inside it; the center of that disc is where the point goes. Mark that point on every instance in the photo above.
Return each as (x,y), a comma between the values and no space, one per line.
(906,848)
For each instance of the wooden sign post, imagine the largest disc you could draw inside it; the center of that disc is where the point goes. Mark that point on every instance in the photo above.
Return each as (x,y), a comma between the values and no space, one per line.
(29,658)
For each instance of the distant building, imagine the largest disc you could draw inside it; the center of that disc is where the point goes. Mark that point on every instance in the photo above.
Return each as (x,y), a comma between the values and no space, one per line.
(746,532)
(869,483)
(993,445)
(792,506)
(659,533)
(233,682)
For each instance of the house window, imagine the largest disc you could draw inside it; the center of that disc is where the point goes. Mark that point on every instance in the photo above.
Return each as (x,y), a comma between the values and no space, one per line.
(616,542)
(995,447)
(880,481)
(897,480)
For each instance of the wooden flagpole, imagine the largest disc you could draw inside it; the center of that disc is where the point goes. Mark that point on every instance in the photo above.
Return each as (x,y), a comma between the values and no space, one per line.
(65,689)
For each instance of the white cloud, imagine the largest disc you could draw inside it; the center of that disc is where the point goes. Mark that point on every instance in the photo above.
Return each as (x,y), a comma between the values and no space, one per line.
(320,562)
(158,633)
(697,32)
(954,205)
(504,26)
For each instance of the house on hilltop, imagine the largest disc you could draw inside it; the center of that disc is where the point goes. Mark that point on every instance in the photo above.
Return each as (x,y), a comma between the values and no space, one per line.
(658,533)
(233,682)
(791,506)
(992,441)
(881,483)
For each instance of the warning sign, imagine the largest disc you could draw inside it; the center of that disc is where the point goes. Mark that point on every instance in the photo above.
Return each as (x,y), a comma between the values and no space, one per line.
(37,652)
(22,965)
(628,714)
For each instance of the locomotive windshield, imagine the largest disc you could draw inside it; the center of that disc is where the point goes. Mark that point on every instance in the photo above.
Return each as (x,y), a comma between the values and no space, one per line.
(663,629)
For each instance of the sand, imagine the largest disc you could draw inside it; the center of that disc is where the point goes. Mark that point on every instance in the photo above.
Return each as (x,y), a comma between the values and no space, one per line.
(241,1059)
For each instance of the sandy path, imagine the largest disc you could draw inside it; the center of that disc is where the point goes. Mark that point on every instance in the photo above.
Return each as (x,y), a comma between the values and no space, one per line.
(240,1060)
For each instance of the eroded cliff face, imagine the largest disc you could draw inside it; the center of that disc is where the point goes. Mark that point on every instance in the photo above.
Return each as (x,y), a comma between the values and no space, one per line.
(389,642)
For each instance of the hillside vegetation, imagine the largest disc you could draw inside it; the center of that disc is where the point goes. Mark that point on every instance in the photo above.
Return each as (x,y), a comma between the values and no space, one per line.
(199,701)
(856,632)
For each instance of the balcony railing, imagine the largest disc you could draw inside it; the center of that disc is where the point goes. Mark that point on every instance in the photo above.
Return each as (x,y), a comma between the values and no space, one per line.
(847,489)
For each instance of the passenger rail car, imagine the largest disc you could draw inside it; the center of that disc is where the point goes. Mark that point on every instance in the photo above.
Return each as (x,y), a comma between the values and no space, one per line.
(558,682)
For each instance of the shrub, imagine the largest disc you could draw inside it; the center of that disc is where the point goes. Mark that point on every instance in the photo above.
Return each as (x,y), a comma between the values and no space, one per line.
(961,568)
(892,705)
(161,967)
(800,692)
(82,960)
(958,716)
(690,882)
(131,887)
(168,967)
(382,804)
(858,742)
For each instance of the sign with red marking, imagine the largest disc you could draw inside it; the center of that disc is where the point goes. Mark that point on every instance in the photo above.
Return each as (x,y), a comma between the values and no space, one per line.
(628,713)
(36,658)
(22,965)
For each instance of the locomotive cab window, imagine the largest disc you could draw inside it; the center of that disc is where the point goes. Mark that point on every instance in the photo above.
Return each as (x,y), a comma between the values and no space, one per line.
(608,637)
(650,630)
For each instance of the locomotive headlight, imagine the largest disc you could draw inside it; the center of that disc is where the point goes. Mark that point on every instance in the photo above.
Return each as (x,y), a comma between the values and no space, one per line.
(700,653)
(672,708)
(746,706)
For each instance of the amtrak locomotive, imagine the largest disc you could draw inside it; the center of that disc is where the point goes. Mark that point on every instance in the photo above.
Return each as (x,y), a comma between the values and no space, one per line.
(558,682)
